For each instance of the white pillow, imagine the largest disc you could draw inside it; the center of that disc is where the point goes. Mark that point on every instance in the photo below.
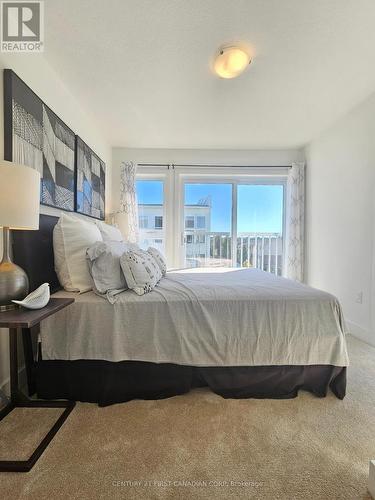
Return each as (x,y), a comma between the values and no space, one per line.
(104,264)
(141,271)
(159,258)
(108,232)
(71,238)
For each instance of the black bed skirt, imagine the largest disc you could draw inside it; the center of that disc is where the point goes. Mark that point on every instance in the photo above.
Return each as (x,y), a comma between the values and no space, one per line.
(106,383)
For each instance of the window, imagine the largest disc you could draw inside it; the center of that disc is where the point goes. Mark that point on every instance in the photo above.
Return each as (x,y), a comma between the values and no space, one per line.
(143,221)
(150,194)
(201,221)
(201,216)
(158,222)
(189,221)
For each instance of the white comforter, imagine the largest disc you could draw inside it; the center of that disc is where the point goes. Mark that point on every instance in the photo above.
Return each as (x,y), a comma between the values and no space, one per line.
(204,317)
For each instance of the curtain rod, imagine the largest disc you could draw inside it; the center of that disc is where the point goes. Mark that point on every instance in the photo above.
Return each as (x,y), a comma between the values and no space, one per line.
(199,165)
(154,164)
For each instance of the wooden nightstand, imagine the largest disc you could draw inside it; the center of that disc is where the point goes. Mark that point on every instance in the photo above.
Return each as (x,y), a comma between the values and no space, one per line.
(25,320)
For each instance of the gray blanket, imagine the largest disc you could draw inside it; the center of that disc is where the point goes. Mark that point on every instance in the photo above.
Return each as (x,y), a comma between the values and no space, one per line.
(203,317)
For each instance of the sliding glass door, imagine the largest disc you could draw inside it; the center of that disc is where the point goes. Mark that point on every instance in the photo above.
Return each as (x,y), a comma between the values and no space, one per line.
(233,225)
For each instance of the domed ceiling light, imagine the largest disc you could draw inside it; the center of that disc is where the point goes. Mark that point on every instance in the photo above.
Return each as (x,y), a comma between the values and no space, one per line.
(231,62)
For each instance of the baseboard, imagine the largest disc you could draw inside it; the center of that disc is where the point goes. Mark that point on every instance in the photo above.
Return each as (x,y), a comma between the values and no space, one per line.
(360,333)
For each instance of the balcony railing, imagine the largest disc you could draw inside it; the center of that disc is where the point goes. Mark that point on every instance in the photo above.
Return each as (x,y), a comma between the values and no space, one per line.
(259,250)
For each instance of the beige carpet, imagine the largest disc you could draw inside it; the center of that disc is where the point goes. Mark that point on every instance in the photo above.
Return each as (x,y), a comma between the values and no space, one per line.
(202,446)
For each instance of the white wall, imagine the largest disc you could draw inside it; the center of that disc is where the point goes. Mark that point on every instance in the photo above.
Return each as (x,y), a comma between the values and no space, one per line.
(198,156)
(340,215)
(49,86)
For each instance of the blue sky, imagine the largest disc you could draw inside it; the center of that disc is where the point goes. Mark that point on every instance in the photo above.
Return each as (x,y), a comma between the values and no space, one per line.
(150,192)
(259,207)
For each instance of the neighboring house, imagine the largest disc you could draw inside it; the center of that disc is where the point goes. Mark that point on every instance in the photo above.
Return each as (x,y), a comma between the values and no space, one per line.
(204,247)
(197,228)
(151,226)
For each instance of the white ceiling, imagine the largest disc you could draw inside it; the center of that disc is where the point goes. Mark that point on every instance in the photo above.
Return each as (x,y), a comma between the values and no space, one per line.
(143,68)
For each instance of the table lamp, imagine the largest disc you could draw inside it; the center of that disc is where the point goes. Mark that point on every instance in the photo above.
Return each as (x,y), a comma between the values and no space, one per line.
(19,209)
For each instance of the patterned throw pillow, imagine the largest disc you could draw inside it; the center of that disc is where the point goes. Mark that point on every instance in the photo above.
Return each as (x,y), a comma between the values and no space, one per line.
(141,271)
(160,260)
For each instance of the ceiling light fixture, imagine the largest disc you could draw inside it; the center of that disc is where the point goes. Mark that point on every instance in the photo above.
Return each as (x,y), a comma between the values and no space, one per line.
(231,62)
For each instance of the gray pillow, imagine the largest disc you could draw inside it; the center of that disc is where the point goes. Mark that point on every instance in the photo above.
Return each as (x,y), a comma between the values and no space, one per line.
(103,259)
(142,273)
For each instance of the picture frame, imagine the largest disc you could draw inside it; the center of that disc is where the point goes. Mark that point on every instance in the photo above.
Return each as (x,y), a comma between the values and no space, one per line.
(35,136)
(89,181)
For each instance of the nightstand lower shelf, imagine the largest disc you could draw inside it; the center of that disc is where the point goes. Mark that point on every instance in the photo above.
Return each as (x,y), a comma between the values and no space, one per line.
(26,465)
(19,400)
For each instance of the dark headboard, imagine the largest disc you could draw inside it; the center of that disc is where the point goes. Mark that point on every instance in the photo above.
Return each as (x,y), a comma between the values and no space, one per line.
(33,251)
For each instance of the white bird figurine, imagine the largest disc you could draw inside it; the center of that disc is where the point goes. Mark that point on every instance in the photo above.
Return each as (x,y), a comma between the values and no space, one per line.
(36,299)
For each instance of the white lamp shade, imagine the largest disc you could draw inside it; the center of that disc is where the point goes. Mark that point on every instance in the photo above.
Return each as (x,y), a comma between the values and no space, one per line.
(19,196)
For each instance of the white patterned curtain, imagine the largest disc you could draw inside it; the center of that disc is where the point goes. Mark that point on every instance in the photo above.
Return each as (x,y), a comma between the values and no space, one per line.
(127,218)
(295,222)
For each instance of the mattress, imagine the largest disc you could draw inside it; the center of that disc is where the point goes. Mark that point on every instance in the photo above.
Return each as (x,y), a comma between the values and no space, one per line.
(203,317)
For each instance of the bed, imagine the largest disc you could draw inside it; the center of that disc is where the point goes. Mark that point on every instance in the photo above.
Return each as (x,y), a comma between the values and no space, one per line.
(242,332)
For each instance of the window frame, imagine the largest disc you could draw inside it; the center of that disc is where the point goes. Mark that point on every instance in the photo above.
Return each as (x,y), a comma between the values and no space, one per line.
(204,225)
(189,218)
(173,197)
(158,217)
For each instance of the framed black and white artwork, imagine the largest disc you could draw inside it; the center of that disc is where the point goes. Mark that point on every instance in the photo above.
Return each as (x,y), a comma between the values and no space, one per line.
(90,181)
(35,136)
